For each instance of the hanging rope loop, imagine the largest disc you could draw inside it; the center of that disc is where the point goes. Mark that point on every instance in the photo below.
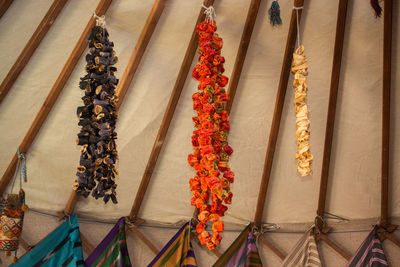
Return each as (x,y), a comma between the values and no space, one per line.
(100,21)
(297,8)
(21,169)
(210,13)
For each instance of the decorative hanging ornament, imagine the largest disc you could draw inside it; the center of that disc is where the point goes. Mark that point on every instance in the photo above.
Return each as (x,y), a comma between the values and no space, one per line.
(211,185)
(96,172)
(275,13)
(377,8)
(303,154)
(12,214)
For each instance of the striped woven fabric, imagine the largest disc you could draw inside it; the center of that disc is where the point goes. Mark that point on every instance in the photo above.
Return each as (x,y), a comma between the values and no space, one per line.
(370,253)
(305,253)
(62,247)
(112,251)
(178,252)
(242,253)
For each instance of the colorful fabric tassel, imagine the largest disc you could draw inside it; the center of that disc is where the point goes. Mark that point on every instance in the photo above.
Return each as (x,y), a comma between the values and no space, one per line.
(377,8)
(275,13)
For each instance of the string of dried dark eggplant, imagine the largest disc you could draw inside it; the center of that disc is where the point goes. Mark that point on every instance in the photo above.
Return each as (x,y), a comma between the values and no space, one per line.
(96,172)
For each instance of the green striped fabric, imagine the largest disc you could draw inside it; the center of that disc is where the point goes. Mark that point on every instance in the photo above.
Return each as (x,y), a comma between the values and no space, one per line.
(112,251)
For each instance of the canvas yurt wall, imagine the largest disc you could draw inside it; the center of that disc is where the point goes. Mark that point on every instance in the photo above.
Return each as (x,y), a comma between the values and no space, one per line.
(354,179)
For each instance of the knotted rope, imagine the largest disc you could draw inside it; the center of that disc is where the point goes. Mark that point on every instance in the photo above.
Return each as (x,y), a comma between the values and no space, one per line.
(298,24)
(210,13)
(22,171)
(100,21)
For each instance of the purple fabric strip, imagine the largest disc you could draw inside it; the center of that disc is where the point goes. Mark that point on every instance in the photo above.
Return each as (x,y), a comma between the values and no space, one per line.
(105,243)
(238,255)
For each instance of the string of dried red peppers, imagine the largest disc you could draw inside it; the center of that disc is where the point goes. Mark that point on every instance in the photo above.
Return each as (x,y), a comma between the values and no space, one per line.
(211,184)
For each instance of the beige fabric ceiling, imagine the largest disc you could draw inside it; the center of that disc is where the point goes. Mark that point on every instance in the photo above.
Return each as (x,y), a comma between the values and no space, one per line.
(354,187)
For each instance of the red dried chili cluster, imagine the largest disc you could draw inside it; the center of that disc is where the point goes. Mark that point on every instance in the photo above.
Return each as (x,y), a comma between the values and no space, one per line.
(211,184)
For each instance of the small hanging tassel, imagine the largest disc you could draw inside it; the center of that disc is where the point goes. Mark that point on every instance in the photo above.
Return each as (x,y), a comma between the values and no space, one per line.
(15,259)
(375,5)
(275,13)
(24,207)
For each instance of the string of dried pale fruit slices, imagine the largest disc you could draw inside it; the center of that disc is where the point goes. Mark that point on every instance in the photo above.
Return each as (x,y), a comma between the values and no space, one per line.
(300,70)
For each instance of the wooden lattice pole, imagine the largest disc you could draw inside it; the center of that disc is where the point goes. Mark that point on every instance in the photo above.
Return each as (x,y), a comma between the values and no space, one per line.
(169,112)
(330,123)
(276,120)
(4,5)
(242,51)
(387,61)
(129,73)
(30,47)
(386,88)
(53,95)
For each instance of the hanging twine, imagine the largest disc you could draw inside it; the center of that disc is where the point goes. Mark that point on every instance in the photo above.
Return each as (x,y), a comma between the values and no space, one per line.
(275,13)
(298,24)
(100,21)
(377,8)
(210,13)
(22,171)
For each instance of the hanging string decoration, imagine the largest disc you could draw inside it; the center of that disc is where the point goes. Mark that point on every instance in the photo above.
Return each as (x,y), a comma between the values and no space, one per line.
(12,214)
(275,13)
(300,70)
(377,8)
(97,118)
(211,185)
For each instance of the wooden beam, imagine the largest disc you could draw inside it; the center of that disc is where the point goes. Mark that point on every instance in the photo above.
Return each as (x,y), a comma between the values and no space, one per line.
(4,5)
(148,243)
(330,121)
(276,119)
(24,244)
(173,101)
(242,51)
(333,245)
(387,70)
(393,239)
(272,247)
(86,244)
(129,73)
(140,48)
(71,204)
(31,46)
(53,95)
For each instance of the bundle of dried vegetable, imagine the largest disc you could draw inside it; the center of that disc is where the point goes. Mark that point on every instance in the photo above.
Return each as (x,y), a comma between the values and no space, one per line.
(303,154)
(96,172)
